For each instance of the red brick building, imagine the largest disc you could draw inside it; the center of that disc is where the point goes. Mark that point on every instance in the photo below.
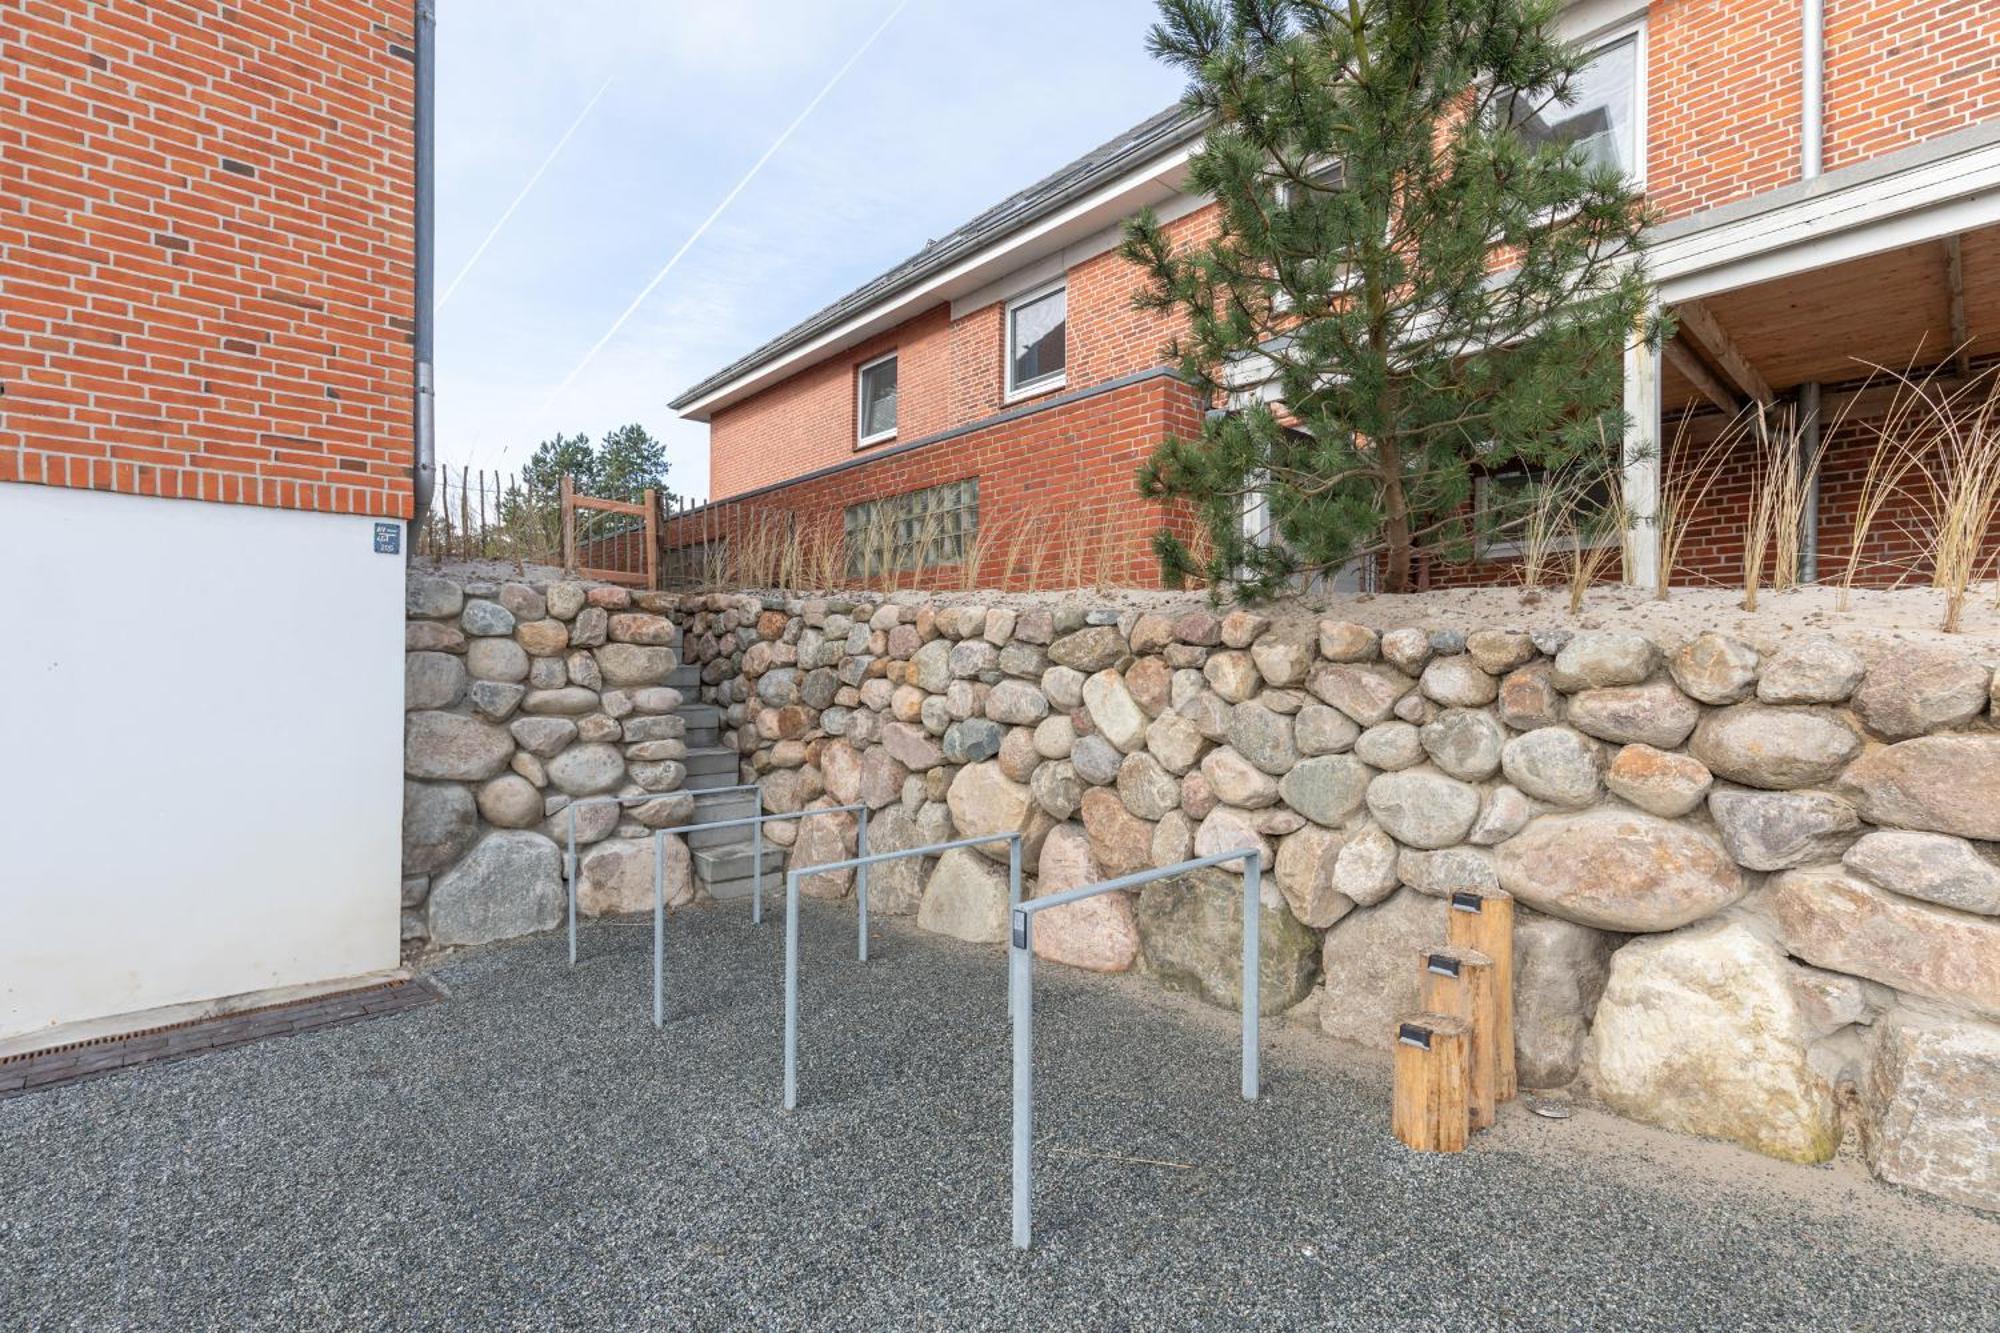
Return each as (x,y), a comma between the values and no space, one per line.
(1824,172)
(208,301)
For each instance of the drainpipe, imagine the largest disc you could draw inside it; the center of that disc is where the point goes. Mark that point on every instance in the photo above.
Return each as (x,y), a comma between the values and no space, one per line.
(423,471)
(1812,129)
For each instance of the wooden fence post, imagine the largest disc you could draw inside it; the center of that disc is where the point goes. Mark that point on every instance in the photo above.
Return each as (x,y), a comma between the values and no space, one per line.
(652,503)
(568,526)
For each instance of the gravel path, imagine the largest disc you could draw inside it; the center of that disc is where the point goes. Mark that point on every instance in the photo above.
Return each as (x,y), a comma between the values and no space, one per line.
(533,1154)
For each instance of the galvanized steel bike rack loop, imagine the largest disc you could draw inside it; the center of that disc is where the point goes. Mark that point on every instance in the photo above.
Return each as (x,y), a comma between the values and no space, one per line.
(569,857)
(860,866)
(1021,1001)
(756,882)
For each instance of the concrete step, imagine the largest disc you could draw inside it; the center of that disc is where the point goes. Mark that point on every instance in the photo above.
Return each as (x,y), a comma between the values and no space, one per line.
(713,864)
(700,715)
(736,890)
(731,805)
(686,678)
(711,759)
(697,782)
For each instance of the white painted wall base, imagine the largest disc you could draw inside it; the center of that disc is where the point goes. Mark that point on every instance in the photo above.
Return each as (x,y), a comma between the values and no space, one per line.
(201,714)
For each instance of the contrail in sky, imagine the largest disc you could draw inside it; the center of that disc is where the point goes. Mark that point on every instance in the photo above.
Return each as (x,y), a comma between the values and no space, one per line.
(526,190)
(727,199)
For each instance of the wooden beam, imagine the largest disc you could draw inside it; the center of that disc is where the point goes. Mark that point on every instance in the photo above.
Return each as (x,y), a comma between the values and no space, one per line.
(1701,326)
(1954,277)
(1713,389)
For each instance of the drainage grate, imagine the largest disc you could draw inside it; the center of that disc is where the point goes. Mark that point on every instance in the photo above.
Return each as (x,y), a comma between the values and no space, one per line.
(94,1056)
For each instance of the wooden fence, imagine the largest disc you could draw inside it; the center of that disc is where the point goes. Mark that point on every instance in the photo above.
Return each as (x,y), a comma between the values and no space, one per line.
(612,556)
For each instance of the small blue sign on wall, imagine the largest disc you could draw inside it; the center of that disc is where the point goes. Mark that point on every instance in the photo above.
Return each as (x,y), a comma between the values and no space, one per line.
(388,539)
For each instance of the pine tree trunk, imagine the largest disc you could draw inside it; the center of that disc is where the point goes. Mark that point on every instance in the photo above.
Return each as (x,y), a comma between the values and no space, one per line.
(1396,522)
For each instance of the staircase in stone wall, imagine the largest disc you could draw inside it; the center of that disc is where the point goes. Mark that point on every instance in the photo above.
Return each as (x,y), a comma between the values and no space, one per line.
(722,857)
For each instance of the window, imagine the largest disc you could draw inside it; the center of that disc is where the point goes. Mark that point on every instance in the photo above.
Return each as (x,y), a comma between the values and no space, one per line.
(1324,179)
(1528,507)
(935,526)
(876,392)
(1602,122)
(1037,341)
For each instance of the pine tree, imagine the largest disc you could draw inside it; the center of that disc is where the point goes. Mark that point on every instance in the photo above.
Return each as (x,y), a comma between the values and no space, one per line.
(1404,288)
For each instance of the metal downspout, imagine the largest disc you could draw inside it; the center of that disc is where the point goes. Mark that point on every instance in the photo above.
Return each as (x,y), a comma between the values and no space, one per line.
(423,470)
(1812,144)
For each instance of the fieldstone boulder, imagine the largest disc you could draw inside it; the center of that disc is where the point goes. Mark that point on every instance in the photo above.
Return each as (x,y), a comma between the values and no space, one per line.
(543,638)
(1457,682)
(1120,840)
(823,839)
(930,667)
(973,740)
(1916,690)
(1715,668)
(587,770)
(1658,782)
(1406,649)
(1935,867)
(1282,662)
(1366,693)
(1775,748)
(1228,829)
(1016,703)
(1657,714)
(1368,961)
(1191,937)
(1529,699)
(508,885)
(1810,671)
(1503,812)
(840,769)
(1304,871)
(1935,784)
(1100,934)
(1237,781)
(1929,1098)
(896,888)
(966,898)
(1147,789)
(452,747)
(1345,641)
(510,801)
(1176,742)
(911,746)
(1365,870)
(432,680)
(1559,973)
(1555,764)
(1097,760)
(616,876)
(1423,809)
(1847,924)
(625,665)
(1499,651)
(424,595)
(1089,650)
(482,617)
(1232,675)
(1173,839)
(1601,658)
(1700,1031)
(1618,870)
(1263,737)
(986,801)
(1390,746)
(560,701)
(1057,789)
(1326,789)
(1465,743)
(1114,712)
(1318,729)
(1773,830)
(439,822)
(882,778)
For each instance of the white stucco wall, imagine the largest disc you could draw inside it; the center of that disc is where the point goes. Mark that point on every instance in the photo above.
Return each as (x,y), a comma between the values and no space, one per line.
(200,753)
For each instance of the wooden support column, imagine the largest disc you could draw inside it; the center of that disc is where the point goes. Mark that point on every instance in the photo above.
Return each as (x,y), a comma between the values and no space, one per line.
(1641,462)
(1430,1113)
(1699,324)
(1483,920)
(1954,277)
(1459,984)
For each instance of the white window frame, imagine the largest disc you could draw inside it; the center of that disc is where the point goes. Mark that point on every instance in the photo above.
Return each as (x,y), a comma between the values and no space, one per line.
(1047,383)
(1510,548)
(862,439)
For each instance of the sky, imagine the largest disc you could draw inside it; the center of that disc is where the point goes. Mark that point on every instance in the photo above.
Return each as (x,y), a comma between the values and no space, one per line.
(954,106)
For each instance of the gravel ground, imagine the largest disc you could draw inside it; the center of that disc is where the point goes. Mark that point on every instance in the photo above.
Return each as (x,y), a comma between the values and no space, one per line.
(533,1154)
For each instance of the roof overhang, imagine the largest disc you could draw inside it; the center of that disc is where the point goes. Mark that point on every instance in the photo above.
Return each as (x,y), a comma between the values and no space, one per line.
(1154,183)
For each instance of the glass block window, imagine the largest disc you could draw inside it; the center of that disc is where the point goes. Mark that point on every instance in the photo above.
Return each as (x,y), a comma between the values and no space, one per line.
(934,526)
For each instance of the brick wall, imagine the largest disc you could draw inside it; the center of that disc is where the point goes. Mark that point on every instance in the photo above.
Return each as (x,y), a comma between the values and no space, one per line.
(1056,491)
(206,233)
(1724,84)
(949,373)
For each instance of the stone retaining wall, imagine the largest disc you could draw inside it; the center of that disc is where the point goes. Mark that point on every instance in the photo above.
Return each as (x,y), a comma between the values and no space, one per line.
(1759,895)
(520,698)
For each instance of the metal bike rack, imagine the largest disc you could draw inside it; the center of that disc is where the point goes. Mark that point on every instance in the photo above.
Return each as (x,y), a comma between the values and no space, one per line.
(860,866)
(569,858)
(756,878)
(1021,1002)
